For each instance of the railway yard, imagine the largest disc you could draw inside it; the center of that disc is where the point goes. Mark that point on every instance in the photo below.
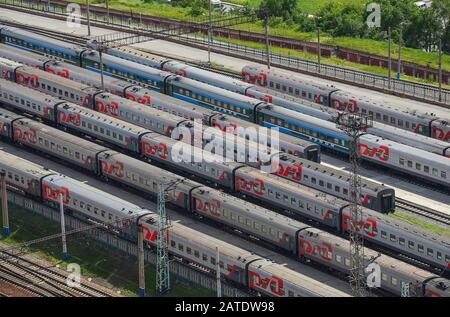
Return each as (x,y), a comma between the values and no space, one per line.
(112,138)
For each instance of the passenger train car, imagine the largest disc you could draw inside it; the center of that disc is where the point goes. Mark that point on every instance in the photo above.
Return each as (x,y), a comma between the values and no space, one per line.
(237,265)
(228,102)
(290,235)
(287,144)
(282,194)
(385,125)
(335,182)
(420,121)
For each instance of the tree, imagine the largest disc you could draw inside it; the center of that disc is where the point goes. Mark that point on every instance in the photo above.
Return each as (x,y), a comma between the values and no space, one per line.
(269,9)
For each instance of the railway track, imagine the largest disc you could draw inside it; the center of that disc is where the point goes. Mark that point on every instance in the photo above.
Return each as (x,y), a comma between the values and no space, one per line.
(423,211)
(41,280)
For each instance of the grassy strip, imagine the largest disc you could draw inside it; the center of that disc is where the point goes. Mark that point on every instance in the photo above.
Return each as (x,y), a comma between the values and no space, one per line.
(95,259)
(421,223)
(331,61)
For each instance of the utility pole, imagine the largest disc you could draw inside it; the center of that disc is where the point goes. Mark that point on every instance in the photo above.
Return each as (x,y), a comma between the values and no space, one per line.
(440,70)
(162,255)
(355,125)
(389,58)
(107,9)
(399,67)
(88,17)
(318,48)
(4,204)
(209,35)
(218,280)
(63,227)
(266,34)
(141,264)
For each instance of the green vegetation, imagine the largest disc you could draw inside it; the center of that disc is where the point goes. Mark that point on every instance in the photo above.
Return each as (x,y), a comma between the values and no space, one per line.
(96,260)
(421,223)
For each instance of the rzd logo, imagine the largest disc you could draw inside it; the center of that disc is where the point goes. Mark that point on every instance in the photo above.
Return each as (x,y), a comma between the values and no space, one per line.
(382,152)
(149,234)
(323,250)
(70,118)
(116,168)
(53,193)
(292,171)
(212,207)
(369,225)
(29,136)
(438,133)
(28,80)
(110,108)
(256,186)
(260,79)
(273,284)
(63,73)
(350,106)
(157,150)
(146,100)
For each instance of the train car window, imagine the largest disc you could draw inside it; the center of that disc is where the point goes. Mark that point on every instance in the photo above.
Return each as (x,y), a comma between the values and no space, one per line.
(263,229)
(378,116)
(418,166)
(277,86)
(401,241)
(40,140)
(347,262)
(435,172)
(393,281)
(55,90)
(241,220)
(303,93)
(321,183)
(338,258)
(204,257)
(410,163)
(256,226)
(46,143)
(188,250)
(313,180)
(180,247)
(95,128)
(420,248)
(272,232)
(400,123)
(60,92)
(291,90)
(345,191)
(393,238)
(248,223)
(77,155)
(443,174)
(426,169)
(383,234)
(364,111)
(393,120)
(401,161)
(385,118)
(297,92)
(430,252)
(329,186)
(83,124)
(309,96)
(384,276)
(221,264)
(172,243)
(447,258)
(89,126)
(306,177)
(213,261)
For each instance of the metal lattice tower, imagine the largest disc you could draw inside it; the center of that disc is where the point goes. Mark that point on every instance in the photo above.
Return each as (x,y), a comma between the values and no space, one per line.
(162,252)
(355,125)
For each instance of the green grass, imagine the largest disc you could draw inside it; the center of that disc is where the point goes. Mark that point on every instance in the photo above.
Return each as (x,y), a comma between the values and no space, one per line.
(95,259)
(331,61)
(421,223)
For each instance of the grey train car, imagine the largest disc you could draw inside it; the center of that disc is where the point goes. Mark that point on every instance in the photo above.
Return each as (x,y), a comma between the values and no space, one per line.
(288,234)
(238,265)
(330,211)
